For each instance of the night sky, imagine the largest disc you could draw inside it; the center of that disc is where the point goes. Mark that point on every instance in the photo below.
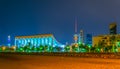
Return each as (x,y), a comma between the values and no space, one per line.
(29,17)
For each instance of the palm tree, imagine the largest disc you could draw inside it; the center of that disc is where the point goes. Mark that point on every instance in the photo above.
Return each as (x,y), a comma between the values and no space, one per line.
(80,46)
(87,48)
(25,48)
(93,49)
(108,48)
(50,48)
(67,48)
(46,48)
(34,49)
(101,45)
(21,49)
(41,48)
(113,38)
(0,49)
(73,48)
(57,49)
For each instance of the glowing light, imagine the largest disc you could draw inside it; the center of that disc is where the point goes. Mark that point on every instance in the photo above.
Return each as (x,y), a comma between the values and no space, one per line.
(3,48)
(62,46)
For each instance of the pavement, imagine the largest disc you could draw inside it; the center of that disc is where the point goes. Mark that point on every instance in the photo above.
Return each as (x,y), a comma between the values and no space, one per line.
(56,62)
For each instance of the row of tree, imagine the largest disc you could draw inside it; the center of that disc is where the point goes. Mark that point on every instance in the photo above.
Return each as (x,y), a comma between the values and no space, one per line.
(67,48)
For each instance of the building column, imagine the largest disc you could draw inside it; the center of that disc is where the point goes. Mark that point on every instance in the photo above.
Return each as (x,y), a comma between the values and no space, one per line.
(15,42)
(38,41)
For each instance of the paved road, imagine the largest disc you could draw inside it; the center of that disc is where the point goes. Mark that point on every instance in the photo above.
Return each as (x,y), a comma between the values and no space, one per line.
(56,62)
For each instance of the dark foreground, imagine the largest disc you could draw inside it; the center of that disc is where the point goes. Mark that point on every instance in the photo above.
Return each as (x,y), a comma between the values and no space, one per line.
(56,62)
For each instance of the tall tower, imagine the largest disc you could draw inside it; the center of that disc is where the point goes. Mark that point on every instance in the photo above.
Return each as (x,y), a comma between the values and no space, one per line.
(113,28)
(75,35)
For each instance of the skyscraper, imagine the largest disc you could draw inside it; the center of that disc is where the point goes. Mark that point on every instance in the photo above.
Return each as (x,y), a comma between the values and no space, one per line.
(81,36)
(89,39)
(9,41)
(113,28)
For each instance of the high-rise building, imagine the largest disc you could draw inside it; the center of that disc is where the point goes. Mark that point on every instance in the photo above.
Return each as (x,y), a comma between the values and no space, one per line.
(113,28)
(9,41)
(81,36)
(89,39)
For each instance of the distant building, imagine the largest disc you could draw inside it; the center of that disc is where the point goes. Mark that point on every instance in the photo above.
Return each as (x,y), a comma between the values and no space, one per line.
(112,39)
(36,40)
(81,36)
(107,40)
(113,28)
(9,41)
(89,39)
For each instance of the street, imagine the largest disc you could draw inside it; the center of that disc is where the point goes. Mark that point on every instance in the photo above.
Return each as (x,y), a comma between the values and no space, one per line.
(56,62)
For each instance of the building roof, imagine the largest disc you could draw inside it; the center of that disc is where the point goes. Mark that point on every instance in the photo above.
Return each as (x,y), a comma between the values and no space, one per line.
(106,35)
(35,36)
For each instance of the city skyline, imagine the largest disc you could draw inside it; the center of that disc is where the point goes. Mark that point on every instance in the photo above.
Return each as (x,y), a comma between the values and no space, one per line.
(29,17)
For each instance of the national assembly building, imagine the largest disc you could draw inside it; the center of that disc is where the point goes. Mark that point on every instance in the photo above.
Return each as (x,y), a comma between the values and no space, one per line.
(37,40)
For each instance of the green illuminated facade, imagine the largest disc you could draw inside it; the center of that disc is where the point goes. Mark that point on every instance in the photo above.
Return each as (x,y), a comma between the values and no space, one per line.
(36,40)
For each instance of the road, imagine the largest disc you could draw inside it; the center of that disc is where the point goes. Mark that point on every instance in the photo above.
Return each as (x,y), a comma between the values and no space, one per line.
(56,62)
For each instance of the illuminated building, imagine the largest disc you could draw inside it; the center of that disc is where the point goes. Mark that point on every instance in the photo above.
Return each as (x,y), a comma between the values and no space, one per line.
(81,37)
(89,39)
(37,40)
(76,38)
(107,40)
(9,41)
(112,39)
(112,28)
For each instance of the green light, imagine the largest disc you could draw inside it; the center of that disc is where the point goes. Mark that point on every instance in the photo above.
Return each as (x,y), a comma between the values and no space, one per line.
(79,42)
(21,49)
(28,51)
(116,50)
(35,49)
(118,44)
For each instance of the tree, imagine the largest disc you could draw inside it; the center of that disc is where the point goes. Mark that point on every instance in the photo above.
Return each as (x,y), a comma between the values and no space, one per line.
(73,48)
(108,48)
(67,48)
(93,49)
(41,48)
(46,48)
(113,38)
(34,49)
(58,49)
(87,48)
(25,48)
(50,48)
(0,49)
(21,49)
(101,46)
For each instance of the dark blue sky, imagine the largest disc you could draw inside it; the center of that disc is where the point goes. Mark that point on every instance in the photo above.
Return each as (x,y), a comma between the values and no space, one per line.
(28,17)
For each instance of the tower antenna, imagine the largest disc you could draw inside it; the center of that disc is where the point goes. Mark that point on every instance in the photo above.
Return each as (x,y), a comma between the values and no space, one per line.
(75,24)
